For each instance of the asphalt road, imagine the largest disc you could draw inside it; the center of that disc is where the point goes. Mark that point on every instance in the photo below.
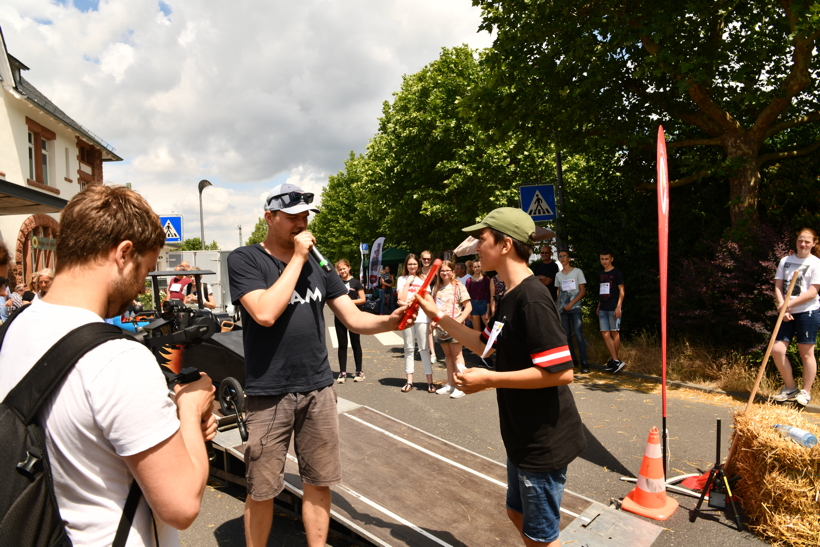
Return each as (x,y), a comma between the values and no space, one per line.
(618,413)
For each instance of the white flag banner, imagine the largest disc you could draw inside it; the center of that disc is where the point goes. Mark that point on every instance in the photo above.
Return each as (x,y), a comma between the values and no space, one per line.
(376,262)
(361,264)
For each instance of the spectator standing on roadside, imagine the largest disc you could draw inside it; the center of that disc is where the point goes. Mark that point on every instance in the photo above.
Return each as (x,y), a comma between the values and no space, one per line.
(44,279)
(386,283)
(481,290)
(546,270)
(16,298)
(461,273)
(111,422)
(802,318)
(610,301)
(281,292)
(408,285)
(453,300)
(426,258)
(571,290)
(356,293)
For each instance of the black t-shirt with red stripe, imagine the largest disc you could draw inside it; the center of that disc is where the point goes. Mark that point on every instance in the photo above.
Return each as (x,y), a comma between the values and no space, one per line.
(541,428)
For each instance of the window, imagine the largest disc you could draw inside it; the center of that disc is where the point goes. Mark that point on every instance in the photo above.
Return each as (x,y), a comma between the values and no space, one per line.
(40,143)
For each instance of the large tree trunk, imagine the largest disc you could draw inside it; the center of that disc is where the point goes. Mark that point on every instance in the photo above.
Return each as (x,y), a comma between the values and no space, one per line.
(744,178)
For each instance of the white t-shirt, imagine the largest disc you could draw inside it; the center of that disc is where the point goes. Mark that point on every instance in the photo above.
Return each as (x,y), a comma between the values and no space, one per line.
(113,403)
(809,275)
(569,285)
(414,286)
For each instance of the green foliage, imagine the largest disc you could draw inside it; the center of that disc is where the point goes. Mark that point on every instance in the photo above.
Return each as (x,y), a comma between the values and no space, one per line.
(195,244)
(429,171)
(260,232)
(731,79)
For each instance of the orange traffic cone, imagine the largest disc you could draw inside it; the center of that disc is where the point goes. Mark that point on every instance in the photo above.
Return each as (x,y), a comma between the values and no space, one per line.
(649,498)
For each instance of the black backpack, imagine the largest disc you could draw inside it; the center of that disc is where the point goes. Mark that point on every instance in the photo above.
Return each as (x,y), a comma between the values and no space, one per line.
(29,515)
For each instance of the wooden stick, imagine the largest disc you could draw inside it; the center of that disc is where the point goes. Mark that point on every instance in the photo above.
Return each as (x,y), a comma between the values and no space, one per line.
(765,358)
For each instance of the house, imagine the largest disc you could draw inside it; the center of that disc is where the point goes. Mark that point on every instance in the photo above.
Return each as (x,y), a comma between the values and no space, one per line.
(45,159)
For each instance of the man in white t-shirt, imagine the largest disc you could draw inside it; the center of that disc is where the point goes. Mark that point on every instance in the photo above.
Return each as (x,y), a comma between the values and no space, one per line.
(461,273)
(112,420)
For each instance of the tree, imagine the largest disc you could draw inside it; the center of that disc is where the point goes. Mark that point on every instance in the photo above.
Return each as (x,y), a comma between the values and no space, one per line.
(260,232)
(430,170)
(734,76)
(195,244)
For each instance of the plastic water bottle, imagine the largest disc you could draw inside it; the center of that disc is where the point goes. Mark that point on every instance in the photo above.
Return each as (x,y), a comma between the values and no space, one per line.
(800,436)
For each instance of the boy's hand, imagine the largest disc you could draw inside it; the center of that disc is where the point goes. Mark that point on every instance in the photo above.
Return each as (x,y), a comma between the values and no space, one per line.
(473,380)
(618,312)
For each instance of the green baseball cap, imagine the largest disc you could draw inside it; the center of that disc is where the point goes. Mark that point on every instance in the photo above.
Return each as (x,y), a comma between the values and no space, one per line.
(514,222)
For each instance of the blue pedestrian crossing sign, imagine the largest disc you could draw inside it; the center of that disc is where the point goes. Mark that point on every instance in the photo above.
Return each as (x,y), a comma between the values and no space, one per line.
(538,201)
(172,225)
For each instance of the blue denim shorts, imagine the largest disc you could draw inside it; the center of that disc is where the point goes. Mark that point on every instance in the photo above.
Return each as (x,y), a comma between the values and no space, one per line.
(804,325)
(607,321)
(479,307)
(537,496)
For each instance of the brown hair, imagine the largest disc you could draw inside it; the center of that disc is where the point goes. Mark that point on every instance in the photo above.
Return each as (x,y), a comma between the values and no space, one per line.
(815,250)
(408,258)
(5,258)
(342,261)
(101,217)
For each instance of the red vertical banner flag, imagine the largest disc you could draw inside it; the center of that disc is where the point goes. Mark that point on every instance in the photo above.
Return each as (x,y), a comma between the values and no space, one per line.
(663,248)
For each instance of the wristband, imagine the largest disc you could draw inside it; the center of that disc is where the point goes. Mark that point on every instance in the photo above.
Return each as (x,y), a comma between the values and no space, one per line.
(438,317)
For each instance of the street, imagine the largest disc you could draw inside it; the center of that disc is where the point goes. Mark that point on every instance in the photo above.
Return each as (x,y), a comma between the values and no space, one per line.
(618,413)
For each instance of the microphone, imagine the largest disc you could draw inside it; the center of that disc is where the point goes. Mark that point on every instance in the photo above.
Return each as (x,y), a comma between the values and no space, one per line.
(323,262)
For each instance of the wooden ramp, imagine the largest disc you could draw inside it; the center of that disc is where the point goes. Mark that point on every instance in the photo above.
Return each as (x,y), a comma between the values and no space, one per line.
(402,486)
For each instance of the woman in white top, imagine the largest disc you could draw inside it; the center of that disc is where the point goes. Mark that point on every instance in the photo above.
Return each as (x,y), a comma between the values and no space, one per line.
(802,318)
(453,300)
(571,285)
(408,284)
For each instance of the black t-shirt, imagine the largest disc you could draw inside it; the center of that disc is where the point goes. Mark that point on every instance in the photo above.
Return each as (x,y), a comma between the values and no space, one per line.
(290,356)
(541,428)
(352,285)
(388,280)
(612,279)
(548,270)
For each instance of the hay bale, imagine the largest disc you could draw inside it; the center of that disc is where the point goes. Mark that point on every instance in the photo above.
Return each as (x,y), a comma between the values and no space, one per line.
(780,488)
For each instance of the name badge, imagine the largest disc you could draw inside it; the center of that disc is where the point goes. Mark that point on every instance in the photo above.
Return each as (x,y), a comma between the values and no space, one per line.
(176,287)
(568,285)
(604,288)
(497,326)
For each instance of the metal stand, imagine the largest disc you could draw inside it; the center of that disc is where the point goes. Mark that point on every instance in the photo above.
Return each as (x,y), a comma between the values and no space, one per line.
(717,485)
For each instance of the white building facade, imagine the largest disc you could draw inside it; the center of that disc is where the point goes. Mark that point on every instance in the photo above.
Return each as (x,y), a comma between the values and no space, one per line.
(45,159)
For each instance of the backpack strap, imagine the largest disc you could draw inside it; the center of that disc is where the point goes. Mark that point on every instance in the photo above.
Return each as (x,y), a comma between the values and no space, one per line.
(37,385)
(5,326)
(128,513)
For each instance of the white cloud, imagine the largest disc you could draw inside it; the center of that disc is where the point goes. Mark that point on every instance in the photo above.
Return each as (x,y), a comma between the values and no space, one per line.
(245,94)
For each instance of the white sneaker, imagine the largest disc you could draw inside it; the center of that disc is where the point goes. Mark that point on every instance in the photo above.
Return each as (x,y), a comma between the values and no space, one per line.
(802,398)
(446,389)
(785,394)
(457,394)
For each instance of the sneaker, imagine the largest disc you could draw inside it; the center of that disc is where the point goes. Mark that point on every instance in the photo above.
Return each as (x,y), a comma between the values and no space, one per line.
(619,366)
(457,394)
(802,398)
(785,394)
(342,377)
(359,376)
(446,389)
(610,365)
(584,368)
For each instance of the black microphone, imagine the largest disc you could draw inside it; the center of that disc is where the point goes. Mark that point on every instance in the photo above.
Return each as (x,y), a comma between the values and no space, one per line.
(323,262)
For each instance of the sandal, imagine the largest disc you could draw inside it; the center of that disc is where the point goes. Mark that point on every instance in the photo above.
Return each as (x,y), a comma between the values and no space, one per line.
(407,387)
(431,387)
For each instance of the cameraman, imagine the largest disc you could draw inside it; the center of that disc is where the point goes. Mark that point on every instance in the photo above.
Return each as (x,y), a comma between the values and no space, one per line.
(112,419)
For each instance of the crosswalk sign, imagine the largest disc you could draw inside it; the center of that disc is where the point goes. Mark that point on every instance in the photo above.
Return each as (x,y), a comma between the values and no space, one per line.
(172,225)
(538,201)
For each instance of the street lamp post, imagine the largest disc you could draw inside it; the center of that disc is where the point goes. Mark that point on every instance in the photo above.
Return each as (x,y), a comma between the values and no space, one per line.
(202,185)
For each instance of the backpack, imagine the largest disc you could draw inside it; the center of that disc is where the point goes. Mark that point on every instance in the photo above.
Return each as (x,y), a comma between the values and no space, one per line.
(29,515)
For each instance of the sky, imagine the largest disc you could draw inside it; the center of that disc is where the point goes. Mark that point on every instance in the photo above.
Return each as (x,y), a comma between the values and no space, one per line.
(246,94)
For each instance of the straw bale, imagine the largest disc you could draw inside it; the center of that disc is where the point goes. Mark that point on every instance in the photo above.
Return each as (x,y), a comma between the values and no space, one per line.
(780,485)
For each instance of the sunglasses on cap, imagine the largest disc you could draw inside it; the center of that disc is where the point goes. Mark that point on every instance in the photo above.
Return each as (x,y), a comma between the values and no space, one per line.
(292,198)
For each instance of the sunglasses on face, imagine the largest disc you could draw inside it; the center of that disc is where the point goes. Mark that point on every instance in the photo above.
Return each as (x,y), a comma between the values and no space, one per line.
(292,198)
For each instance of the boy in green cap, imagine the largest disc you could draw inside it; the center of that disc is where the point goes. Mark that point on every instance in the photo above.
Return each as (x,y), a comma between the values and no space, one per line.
(540,424)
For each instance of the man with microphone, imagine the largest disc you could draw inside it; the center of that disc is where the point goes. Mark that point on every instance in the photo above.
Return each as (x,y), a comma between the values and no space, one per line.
(281,287)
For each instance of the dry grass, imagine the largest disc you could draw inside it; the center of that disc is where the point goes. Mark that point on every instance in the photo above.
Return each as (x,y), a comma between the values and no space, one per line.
(780,488)
(689,361)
